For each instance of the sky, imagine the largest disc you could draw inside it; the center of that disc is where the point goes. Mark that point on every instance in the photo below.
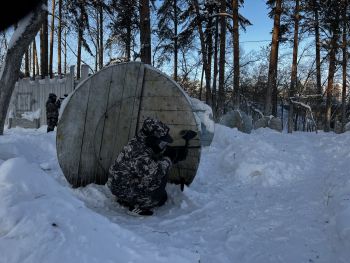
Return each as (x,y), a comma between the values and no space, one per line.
(258,34)
(255,36)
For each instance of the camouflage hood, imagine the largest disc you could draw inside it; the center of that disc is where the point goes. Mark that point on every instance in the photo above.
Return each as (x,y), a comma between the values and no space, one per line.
(154,127)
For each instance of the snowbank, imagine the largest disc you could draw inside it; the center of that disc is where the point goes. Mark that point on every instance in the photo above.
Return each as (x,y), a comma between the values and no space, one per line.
(250,159)
(265,197)
(204,112)
(44,220)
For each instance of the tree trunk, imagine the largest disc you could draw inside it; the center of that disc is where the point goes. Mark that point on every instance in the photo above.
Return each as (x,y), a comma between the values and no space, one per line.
(80,37)
(201,85)
(209,46)
(101,37)
(51,38)
(293,81)
(59,39)
(175,39)
(204,53)
(331,73)
(128,43)
(215,73)
(11,66)
(221,99)
(344,64)
(33,57)
(318,49)
(236,69)
(272,75)
(97,40)
(145,32)
(36,59)
(26,63)
(65,50)
(44,47)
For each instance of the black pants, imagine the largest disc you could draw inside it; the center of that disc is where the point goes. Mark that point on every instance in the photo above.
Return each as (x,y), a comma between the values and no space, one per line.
(159,196)
(51,123)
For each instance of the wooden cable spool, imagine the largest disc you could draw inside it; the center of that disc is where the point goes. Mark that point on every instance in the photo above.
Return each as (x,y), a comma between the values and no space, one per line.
(106,111)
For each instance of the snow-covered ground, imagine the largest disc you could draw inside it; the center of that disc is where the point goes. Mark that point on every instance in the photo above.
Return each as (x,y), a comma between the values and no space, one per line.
(263,198)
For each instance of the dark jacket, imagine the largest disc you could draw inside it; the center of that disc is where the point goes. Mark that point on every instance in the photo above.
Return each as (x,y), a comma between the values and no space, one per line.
(137,173)
(52,107)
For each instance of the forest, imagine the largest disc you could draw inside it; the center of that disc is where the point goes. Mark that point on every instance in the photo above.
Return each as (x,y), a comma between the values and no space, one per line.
(302,70)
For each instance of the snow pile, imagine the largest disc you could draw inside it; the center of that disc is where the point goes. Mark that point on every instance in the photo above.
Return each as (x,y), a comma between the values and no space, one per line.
(31,115)
(337,190)
(244,157)
(204,112)
(264,197)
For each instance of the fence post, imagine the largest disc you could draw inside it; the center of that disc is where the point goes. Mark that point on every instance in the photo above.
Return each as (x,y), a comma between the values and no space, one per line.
(71,71)
(84,72)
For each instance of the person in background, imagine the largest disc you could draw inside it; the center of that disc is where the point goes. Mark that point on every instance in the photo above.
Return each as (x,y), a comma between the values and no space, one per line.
(139,174)
(52,107)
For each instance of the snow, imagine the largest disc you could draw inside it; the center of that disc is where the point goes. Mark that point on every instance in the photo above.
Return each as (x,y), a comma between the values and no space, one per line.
(260,197)
(204,112)
(31,115)
(21,27)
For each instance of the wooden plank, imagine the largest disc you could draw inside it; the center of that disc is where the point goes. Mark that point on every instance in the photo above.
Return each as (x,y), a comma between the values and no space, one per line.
(70,134)
(110,121)
(132,83)
(170,117)
(93,130)
(164,103)
(123,105)
(157,85)
(138,102)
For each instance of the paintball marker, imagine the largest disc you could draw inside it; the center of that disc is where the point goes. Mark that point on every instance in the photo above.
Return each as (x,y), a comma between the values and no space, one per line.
(187,135)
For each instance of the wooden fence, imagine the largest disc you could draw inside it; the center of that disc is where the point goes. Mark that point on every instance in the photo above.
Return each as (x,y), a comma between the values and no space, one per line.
(27,106)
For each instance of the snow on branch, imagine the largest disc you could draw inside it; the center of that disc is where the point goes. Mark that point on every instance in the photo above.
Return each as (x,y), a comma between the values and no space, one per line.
(305,106)
(301,104)
(307,96)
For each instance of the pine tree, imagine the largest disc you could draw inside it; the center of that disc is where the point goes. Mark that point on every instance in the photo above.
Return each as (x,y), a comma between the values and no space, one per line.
(124,26)
(170,23)
(76,14)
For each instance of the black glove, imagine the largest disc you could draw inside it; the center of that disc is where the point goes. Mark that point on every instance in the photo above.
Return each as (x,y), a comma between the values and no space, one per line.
(171,153)
(181,154)
(155,144)
(176,154)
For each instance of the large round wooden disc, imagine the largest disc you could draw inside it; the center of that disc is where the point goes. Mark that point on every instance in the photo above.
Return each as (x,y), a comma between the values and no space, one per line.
(106,111)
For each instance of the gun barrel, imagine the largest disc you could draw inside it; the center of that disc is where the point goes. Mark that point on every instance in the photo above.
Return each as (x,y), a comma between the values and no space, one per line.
(188,147)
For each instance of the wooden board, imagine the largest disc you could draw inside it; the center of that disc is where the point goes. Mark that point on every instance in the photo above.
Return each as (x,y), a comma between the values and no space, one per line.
(108,109)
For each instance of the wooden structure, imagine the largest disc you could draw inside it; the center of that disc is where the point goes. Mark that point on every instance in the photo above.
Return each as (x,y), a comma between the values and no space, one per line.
(107,110)
(31,96)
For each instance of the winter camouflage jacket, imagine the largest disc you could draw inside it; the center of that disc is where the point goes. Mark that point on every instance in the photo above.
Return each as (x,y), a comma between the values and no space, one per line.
(137,172)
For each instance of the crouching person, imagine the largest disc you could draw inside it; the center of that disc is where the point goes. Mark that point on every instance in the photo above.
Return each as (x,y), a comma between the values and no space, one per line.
(140,173)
